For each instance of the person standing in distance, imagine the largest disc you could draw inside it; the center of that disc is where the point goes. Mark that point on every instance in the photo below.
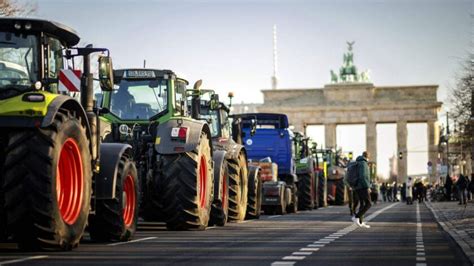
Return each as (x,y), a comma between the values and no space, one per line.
(362,190)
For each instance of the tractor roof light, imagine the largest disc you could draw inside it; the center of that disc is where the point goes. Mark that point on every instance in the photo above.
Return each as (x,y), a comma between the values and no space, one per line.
(28,26)
(17,26)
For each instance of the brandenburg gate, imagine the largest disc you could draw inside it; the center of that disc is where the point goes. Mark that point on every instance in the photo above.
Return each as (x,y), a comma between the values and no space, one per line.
(352,99)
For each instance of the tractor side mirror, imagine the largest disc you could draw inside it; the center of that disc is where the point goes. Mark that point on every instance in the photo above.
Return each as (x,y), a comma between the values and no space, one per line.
(106,73)
(197,84)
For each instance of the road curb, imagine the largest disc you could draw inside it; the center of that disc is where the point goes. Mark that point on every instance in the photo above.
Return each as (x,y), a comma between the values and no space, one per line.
(460,236)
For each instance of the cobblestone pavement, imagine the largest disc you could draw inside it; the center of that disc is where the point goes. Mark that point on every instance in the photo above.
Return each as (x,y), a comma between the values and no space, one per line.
(458,221)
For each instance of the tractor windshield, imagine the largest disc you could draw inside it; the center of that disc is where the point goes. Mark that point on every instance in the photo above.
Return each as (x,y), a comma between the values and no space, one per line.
(18,63)
(139,99)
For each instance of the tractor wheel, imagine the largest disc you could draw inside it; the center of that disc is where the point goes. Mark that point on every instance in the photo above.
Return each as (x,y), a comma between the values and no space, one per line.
(238,188)
(187,182)
(316,190)
(47,184)
(340,193)
(3,217)
(116,219)
(322,191)
(293,207)
(306,192)
(220,209)
(254,206)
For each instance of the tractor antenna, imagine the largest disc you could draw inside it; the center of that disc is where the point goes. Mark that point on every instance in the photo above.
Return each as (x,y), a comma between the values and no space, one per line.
(275,59)
(144,63)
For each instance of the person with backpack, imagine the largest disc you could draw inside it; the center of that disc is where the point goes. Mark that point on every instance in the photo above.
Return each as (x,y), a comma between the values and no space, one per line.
(362,189)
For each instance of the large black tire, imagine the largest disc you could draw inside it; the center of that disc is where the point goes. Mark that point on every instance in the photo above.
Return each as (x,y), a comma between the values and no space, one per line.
(322,191)
(187,183)
(306,192)
(254,206)
(316,190)
(238,188)
(220,207)
(38,161)
(340,193)
(116,219)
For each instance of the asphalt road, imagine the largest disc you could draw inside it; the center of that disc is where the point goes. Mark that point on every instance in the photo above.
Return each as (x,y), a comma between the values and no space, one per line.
(400,235)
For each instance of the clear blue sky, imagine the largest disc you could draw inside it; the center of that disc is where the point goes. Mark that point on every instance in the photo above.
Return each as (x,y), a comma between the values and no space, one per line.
(228,43)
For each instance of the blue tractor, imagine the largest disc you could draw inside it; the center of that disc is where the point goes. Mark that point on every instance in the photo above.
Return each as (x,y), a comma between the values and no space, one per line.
(271,148)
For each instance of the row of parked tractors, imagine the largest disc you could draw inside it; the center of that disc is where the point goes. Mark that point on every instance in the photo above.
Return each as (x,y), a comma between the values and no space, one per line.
(146,146)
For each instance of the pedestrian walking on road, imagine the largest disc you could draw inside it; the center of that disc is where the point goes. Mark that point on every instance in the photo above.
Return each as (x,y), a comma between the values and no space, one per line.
(403,191)
(362,189)
(395,191)
(389,192)
(383,190)
(409,191)
(374,193)
(353,198)
(448,186)
(461,184)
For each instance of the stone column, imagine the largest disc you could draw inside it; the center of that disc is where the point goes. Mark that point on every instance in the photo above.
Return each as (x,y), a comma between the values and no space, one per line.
(402,147)
(330,135)
(371,140)
(433,139)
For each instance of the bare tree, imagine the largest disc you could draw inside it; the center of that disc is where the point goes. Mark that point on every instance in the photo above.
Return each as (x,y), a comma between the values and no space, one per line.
(11,8)
(463,108)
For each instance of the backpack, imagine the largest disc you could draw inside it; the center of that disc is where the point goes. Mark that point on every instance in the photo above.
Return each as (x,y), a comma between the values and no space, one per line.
(352,174)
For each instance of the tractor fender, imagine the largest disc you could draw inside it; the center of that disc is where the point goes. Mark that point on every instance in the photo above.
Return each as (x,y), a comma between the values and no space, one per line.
(305,166)
(219,159)
(106,179)
(70,104)
(164,144)
(235,150)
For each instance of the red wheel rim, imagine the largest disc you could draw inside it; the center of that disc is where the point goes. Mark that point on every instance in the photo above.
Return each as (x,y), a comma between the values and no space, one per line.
(224,194)
(69,181)
(129,200)
(202,181)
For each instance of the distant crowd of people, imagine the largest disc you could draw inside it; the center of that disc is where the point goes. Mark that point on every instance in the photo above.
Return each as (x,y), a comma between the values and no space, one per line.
(462,190)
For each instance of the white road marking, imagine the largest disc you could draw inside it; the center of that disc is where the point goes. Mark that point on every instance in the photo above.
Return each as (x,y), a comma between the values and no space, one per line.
(133,241)
(274,216)
(309,249)
(421,264)
(315,245)
(23,259)
(277,263)
(328,239)
(298,253)
(420,256)
(294,258)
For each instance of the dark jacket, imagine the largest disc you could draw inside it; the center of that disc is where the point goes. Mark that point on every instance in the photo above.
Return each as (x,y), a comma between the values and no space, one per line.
(462,182)
(364,179)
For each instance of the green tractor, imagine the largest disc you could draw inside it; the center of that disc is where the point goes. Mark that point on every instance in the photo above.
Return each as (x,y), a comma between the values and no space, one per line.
(334,169)
(148,109)
(55,175)
(306,170)
(237,187)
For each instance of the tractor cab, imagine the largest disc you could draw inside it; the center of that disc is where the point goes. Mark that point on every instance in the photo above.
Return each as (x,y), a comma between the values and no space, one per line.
(31,54)
(142,95)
